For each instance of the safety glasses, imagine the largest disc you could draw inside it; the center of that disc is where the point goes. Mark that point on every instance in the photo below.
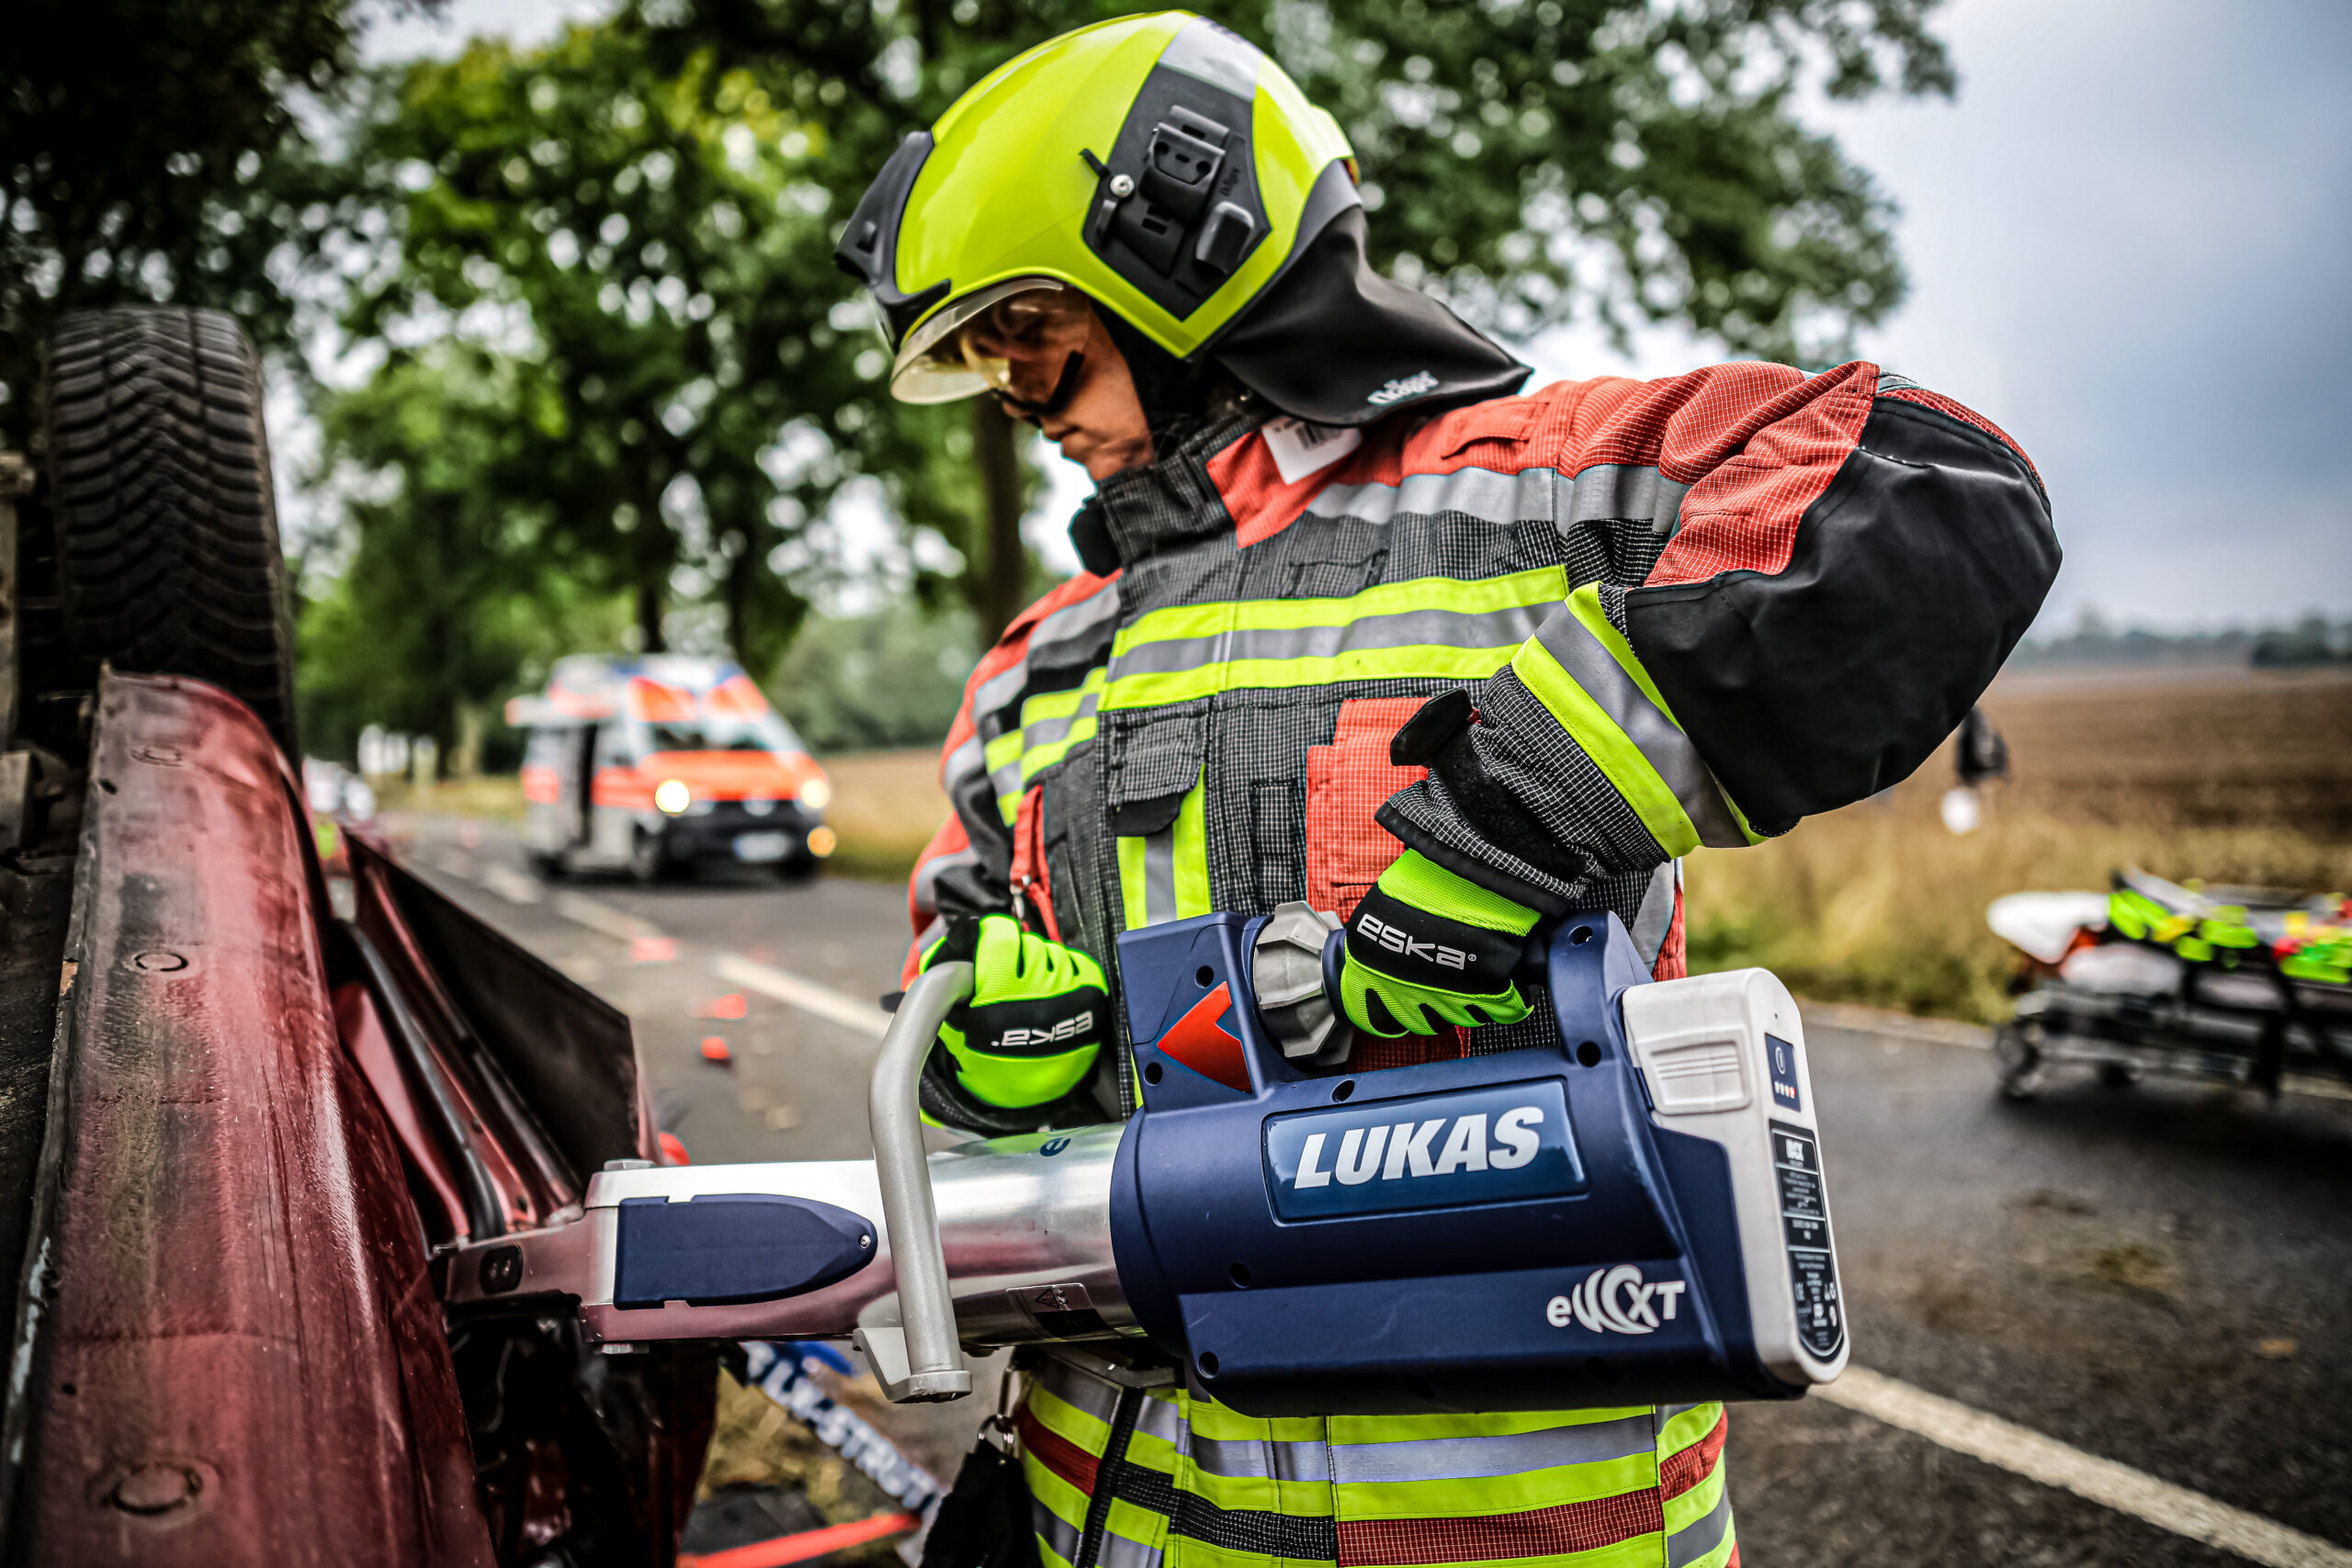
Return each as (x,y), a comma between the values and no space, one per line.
(1014,339)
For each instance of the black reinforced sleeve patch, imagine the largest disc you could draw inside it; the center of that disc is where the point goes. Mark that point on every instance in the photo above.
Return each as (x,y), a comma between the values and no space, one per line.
(1910,580)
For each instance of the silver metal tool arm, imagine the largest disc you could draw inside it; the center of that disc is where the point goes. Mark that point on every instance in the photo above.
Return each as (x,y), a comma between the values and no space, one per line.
(934,1363)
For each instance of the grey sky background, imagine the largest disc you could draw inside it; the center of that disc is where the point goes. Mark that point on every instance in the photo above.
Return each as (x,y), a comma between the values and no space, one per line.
(2129,241)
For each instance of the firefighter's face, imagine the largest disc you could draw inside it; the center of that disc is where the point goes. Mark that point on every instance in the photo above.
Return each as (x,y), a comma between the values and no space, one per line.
(1052,364)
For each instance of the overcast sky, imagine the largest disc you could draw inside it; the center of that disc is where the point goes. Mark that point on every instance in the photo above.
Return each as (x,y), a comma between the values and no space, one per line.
(2129,241)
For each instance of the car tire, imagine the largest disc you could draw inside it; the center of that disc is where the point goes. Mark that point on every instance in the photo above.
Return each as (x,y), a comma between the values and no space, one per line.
(2018,1058)
(648,862)
(168,560)
(545,866)
(796,871)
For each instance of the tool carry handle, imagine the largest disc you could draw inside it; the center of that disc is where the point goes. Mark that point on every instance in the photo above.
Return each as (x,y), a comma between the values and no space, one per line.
(933,1362)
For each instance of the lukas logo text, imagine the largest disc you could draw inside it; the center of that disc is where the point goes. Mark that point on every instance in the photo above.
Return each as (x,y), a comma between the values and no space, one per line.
(1408,1150)
(1617,1301)
(1068,1028)
(1396,939)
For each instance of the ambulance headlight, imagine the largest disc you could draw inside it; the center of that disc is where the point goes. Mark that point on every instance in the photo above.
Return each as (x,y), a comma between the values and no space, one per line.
(672,795)
(816,795)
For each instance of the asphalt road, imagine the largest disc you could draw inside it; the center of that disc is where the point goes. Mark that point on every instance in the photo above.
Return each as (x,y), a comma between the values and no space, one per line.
(2159,1277)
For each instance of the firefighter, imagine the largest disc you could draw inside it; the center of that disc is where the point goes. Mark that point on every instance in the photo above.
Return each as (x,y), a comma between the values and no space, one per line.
(1364,623)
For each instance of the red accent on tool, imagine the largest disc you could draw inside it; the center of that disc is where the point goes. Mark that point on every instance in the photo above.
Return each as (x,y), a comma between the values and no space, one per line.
(1197,1041)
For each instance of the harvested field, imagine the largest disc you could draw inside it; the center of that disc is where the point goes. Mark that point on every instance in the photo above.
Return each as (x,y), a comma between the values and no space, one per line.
(2236,776)
(2218,748)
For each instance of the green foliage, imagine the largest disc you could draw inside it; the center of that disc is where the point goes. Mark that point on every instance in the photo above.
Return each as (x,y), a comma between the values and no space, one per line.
(149,153)
(644,237)
(449,594)
(872,682)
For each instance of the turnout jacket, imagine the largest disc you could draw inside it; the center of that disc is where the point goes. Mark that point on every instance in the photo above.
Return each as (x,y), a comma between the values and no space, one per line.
(1687,611)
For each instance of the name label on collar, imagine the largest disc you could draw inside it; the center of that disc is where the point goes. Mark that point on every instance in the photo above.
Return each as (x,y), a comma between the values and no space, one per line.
(1300,449)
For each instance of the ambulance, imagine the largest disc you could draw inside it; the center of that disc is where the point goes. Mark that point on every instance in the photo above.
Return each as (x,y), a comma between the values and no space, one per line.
(661,765)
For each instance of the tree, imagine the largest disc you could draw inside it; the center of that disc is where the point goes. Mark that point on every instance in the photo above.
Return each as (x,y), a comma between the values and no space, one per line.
(643,237)
(150,151)
(451,585)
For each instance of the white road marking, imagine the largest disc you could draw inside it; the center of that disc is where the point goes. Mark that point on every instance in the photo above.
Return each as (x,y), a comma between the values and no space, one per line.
(511,885)
(580,909)
(806,995)
(451,863)
(2025,1452)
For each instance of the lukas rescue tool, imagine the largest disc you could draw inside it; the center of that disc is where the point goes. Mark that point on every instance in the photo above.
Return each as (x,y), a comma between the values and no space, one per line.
(1639,1216)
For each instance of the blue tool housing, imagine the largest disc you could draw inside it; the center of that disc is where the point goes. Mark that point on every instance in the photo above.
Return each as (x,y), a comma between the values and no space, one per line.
(1505,1231)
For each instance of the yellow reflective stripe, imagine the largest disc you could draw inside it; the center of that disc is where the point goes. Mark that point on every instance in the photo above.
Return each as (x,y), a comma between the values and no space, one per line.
(1697,1503)
(1540,585)
(1688,1426)
(1046,756)
(1430,628)
(1164,876)
(1619,759)
(1273,675)
(1585,605)
(1192,854)
(1052,724)
(1144,1526)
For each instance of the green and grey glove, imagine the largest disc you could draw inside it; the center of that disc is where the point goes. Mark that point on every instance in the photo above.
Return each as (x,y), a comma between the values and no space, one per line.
(1426,947)
(1036,1019)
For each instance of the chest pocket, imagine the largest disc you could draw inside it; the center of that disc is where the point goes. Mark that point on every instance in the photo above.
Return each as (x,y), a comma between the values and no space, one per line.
(1159,816)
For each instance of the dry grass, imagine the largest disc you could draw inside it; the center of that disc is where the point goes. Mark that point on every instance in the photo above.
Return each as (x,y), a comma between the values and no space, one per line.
(885,806)
(498,796)
(2240,778)
(757,1442)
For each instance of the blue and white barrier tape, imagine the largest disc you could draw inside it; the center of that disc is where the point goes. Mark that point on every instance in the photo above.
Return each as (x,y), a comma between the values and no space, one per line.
(781,1371)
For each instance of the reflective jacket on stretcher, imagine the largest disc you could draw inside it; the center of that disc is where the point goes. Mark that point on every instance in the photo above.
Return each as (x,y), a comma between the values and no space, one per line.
(1687,612)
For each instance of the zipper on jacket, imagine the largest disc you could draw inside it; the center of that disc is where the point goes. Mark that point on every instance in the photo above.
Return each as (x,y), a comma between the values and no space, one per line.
(1107,1473)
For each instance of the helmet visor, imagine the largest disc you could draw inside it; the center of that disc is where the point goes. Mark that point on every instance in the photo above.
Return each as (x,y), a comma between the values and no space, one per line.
(1012,339)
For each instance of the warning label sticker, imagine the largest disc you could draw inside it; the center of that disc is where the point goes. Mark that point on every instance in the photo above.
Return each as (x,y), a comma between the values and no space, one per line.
(1805,1223)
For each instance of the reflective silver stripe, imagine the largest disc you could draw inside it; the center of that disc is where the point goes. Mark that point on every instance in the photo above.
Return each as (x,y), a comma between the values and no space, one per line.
(1702,1535)
(1121,1552)
(1159,875)
(1482,493)
(962,762)
(1043,732)
(1471,1458)
(1058,1533)
(1660,742)
(1080,1390)
(927,877)
(1504,627)
(1651,922)
(1635,492)
(1261,1459)
(1070,620)
(1005,778)
(1161,1419)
